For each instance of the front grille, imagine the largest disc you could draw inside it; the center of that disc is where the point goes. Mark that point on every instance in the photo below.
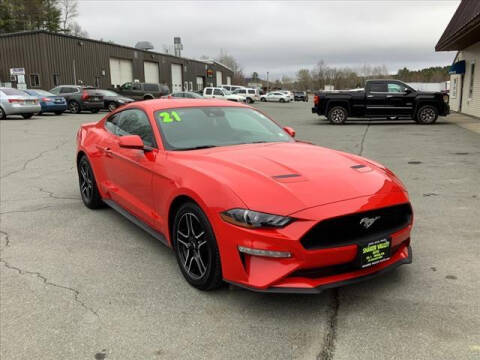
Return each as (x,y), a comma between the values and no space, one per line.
(351,229)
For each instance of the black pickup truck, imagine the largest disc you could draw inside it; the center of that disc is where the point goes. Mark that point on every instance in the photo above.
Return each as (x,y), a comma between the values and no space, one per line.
(381,99)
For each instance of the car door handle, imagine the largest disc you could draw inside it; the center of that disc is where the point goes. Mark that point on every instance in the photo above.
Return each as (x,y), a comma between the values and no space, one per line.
(107,151)
(370,96)
(389,96)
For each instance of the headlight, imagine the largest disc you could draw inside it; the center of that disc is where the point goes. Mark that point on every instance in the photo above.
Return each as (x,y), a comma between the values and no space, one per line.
(121,101)
(254,219)
(445,98)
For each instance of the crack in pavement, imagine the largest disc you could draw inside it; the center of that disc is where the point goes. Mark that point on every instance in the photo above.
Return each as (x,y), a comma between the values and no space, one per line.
(28,161)
(363,139)
(328,348)
(7,239)
(53,196)
(49,283)
(26,210)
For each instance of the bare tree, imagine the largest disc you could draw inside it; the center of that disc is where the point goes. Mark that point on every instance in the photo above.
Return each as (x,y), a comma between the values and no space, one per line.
(229,61)
(69,10)
(76,30)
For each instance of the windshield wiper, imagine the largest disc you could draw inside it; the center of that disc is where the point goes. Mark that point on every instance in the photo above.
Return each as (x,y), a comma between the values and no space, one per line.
(196,147)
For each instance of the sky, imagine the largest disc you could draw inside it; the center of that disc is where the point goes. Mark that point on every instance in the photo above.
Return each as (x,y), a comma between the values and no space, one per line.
(281,37)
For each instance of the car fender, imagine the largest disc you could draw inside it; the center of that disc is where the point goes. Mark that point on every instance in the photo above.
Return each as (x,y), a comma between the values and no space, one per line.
(338,102)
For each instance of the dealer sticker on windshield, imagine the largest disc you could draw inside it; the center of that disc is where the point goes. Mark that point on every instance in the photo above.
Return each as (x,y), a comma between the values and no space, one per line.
(375,252)
(168,117)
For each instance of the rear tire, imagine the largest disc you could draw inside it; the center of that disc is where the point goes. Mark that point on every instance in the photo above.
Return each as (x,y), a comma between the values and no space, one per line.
(196,248)
(88,185)
(337,115)
(282,100)
(249,101)
(27,116)
(112,106)
(74,107)
(263,99)
(2,114)
(427,115)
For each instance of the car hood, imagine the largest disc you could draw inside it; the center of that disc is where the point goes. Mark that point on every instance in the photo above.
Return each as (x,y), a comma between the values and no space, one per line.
(283,178)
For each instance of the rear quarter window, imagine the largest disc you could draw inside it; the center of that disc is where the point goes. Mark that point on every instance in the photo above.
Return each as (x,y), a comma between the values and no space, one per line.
(150,87)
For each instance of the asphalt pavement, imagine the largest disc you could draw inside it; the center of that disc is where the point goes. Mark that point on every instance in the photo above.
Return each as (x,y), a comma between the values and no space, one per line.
(83,284)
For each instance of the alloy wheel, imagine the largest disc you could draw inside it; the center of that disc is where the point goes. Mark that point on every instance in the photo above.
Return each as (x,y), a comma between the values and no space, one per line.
(86,181)
(74,107)
(427,115)
(338,116)
(192,246)
(111,107)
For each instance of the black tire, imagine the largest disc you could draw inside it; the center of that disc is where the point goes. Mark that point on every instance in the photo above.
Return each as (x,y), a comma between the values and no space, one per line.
(427,115)
(147,97)
(88,185)
(2,114)
(282,100)
(112,106)
(249,101)
(74,107)
(337,115)
(263,99)
(27,116)
(196,248)
(58,112)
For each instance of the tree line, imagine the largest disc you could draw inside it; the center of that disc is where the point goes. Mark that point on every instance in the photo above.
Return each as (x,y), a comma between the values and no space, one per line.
(50,15)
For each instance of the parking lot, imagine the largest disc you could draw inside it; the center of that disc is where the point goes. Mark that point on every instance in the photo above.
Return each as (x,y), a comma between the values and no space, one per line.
(82,284)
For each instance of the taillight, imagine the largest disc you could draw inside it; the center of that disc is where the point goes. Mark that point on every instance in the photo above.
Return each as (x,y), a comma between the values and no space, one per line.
(85,95)
(316,99)
(13,101)
(45,99)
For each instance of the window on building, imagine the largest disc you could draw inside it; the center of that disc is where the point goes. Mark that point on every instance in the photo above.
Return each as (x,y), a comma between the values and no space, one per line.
(472,80)
(34,80)
(56,79)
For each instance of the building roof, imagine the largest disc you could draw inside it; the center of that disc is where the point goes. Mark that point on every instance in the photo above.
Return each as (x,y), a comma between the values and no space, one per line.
(463,29)
(32,32)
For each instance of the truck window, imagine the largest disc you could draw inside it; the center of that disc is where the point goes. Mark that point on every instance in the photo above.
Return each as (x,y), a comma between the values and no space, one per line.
(395,88)
(218,92)
(377,87)
(208,91)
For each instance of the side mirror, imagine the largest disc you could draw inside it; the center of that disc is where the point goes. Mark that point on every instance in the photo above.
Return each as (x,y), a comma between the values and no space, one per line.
(131,142)
(289,131)
(407,91)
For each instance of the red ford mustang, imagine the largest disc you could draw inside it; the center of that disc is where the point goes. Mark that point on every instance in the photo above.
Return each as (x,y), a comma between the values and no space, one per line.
(239,200)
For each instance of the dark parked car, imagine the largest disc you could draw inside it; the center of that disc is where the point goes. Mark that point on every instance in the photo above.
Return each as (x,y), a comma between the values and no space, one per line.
(80,98)
(184,95)
(300,96)
(143,91)
(49,102)
(382,99)
(112,100)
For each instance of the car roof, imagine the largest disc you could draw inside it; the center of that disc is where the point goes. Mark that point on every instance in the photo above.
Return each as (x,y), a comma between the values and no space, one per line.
(159,104)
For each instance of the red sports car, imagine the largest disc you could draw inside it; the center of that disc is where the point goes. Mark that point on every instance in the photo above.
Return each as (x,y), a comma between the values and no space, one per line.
(240,200)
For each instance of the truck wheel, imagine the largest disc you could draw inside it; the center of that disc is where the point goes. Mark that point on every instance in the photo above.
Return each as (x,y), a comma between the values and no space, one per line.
(74,107)
(337,115)
(426,115)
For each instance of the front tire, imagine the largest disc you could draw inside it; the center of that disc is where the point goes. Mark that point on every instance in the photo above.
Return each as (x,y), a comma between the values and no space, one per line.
(282,100)
(196,248)
(88,185)
(337,115)
(427,115)
(2,114)
(27,116)
(263,99)
(112,106)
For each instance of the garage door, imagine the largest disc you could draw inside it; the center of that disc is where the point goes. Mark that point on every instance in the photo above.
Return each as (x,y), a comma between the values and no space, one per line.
(120,71)
(176,77)
(152,74)
(229,80)
(199,83)
(219,78)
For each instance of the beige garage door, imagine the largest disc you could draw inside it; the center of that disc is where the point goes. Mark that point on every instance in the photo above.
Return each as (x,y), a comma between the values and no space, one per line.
(152,75)
(219,78)
(121,71)
(176,77)
(229,80)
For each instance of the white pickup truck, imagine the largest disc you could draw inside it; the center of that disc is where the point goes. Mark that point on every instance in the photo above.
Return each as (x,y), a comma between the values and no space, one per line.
(219,93)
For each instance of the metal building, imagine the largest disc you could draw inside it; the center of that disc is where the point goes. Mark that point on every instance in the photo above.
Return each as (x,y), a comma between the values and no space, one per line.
(51,59)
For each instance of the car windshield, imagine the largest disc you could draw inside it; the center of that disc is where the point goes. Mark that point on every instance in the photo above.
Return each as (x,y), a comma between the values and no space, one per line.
(40,93)
(107,92)
(201,127)
(11,91)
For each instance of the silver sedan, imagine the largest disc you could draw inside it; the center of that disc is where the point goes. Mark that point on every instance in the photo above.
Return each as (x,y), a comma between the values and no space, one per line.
(17,102)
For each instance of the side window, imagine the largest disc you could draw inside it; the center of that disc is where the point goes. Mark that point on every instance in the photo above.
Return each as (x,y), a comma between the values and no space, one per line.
(135,122)
(395,88)
(150,87)
(208,91)
(242,91)
(55,91)
(218,92)
(251,92)
(66,90)
(111,124)
(137,86)
(377,87)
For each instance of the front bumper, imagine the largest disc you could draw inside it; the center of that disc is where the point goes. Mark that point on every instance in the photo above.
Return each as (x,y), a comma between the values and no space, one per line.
(307,270)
